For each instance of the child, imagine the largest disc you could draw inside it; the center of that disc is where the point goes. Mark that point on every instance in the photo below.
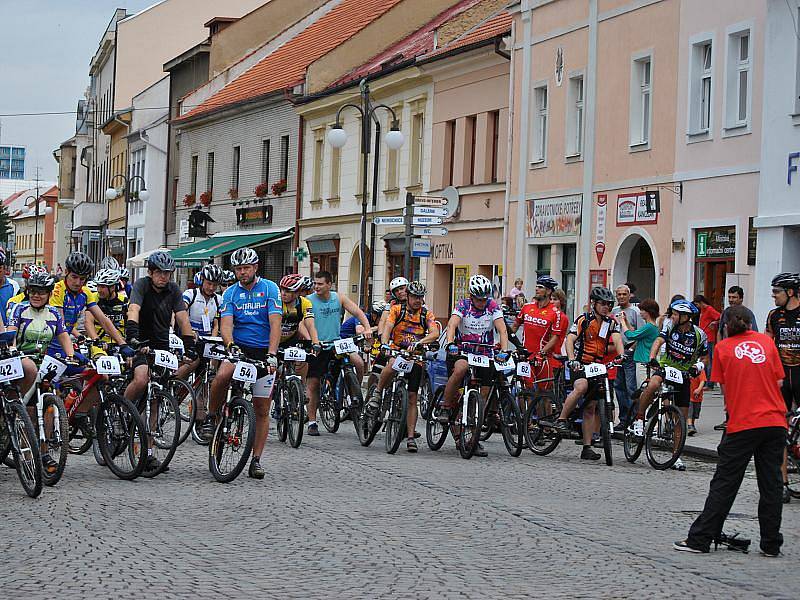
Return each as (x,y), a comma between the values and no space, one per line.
(697,387)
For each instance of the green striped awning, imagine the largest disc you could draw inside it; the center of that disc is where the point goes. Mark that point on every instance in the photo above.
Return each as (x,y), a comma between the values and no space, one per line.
(201,252)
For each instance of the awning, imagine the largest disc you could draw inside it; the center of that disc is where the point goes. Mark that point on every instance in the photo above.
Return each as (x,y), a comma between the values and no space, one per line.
(140,259)
(323,244)
(201,252)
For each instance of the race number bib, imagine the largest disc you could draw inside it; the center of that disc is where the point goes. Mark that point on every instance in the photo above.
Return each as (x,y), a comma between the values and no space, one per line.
(595,370)
(214,350)
(245,372)
(52,366)
(107,365)
(524,369)
(175,343)
(11,369)
(345,346)
(672,374)
(401,365)
(166,359)
(293,353)
(504,366)
(477,360)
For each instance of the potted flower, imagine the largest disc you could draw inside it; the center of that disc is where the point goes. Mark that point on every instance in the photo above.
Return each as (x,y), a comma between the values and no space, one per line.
(205,198)
(188,200)
(233,193)
(279,187)
(262,189)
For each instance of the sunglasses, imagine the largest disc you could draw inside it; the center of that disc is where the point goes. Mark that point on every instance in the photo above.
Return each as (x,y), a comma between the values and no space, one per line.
(778,290)
(605,303)
(38,292)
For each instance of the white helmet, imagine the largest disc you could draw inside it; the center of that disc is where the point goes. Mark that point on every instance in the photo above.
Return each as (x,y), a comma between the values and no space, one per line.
(480,286)
(109,277)
(244,256)
(92,285)
(397,282)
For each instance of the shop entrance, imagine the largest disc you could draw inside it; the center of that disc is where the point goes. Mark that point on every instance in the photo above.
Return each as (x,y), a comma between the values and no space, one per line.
(715,252)
(635,265)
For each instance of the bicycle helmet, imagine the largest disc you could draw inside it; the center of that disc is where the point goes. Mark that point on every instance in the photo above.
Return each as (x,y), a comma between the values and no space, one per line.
(161,260)
(547,281)
(480,286)
(2,256)
(198,279)
(42,279)
(397,282)
(244,256)
(29,270)
(228,278)
(109,262)
(416,288)
(211,273)
(787,281)
(92,286)
(602,294)
(124,273)
(308,284)
(684,307)
(378,306)
(80,264)
(292,282)
(109,277)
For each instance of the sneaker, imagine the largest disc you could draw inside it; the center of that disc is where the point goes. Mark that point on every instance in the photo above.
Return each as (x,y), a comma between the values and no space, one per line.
(313,429)
(152,464)
(561,426)
(374,402)
(480,451)
(683,546)
(721,426)
(417,434)
(256,470)
(48,464)
(443,416)
(787,495)
(588,454)
(209,426)
(691,430)
(679,466)
(769,553)
(637,428)
(411,445)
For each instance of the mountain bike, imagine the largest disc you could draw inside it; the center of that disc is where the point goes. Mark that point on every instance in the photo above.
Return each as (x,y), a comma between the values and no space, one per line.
(333,397)
(289,405)
(543,403)
(793,453)
(213,352)
(182,391)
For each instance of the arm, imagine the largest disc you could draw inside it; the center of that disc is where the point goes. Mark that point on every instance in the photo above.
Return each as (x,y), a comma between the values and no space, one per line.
(354,310)
(226,330)
(387,330)
(500,324)
(215,327)
(382,322)
(433,334)
(633,334)
(570,345)
(274,332)
(182,319)
(66,344)
(616,339)
(452,325)
(107,325)
(311,329)
(656,347)
(88,323)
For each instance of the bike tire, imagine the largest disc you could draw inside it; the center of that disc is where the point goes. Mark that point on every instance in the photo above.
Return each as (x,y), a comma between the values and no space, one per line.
(632,446)
(396,420)
(436,432)
(328,412)
(282,421)
(793,472)
(185,396)
(98,457)
(167,439)
(80,439)
(469,434)
(605,429)
(668,417)
(425,396)
(25,450)
(352,388)
(295,407)
(541,440)
(200,399)
(229,431)
(58,446)
(489,418)
(127,436)
(511,426)
(369,426)
(5,440)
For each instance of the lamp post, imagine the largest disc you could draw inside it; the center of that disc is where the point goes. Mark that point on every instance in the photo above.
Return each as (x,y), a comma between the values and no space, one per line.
(337,137)
(47,211)
(113,194)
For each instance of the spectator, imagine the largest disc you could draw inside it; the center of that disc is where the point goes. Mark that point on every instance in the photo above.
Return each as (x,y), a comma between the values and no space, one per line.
(644,336)
(709,323)
(634,298)
(509,310)
(735,298)
(517,289)
(625,383)
(387,296)
(749,368)
(520,300)
(559,301)
(668,313)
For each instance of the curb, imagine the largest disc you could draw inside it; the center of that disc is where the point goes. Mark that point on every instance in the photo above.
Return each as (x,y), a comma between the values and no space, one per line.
(688,450)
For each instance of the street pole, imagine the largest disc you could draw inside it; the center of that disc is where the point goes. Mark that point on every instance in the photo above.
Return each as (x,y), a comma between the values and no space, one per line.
(373,228)
(409,232)
(126,197)
(365,134)
(36,232)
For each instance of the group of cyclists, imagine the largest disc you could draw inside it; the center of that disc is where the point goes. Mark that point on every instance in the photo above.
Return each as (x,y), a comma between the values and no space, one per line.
(256,320)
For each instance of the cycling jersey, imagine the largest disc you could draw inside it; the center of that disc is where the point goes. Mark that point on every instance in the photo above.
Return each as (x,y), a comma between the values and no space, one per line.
(348,328)
(156,310)
(8,290)
(250,310)
(71,303)
(540,325)
(784,327)
(408,327)
(327,316)
(116,309)
(202,311)
(300,310)
(594,338)
(477,326)
(12,302)
(682,348)
(36,328)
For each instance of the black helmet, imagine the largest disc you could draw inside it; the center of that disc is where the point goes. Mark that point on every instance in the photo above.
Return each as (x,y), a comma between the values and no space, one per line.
(42,280)
(228,278)
(161,260)
(787,281)
(547,281)
(601,293)
(80,264)
(211,273)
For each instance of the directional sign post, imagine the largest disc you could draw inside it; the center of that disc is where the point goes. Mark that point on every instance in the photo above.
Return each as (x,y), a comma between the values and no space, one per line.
(430,201)
(426,221)
(389,221)
(421,247)
(430,231)
(428,211)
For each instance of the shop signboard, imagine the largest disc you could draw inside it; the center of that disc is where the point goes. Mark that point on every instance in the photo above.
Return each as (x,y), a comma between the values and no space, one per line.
(460,283)
(719,243)
(632,209)
(554,217)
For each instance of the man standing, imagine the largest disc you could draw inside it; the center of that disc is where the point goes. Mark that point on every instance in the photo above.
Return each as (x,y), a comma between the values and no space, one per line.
(709,323)
(735,298)
(8,287)
(625,384)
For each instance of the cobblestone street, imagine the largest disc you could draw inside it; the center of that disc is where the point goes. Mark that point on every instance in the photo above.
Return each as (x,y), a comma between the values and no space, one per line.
(336,520)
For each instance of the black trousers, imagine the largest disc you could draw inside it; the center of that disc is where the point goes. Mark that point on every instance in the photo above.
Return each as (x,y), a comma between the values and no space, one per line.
(766,444)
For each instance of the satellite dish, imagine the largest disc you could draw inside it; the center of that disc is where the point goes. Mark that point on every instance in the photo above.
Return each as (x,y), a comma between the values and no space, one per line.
(453,198)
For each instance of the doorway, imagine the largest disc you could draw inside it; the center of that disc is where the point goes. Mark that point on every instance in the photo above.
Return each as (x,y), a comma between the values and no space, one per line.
(710,280)
(635,265)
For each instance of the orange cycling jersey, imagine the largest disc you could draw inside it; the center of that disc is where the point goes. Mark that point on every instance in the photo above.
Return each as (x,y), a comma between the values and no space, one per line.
(594,338)
(408,327)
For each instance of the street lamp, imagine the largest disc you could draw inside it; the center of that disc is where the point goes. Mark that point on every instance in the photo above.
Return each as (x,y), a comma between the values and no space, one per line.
(47,211)
(125,192)
(337,137)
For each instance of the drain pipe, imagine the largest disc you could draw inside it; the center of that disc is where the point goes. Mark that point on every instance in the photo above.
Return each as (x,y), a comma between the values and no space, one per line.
(510,144)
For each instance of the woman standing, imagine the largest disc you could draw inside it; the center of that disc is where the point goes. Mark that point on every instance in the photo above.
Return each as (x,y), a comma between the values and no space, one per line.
(644,336)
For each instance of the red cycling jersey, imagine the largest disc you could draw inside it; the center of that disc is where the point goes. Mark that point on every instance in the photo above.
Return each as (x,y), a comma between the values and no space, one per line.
(540,325)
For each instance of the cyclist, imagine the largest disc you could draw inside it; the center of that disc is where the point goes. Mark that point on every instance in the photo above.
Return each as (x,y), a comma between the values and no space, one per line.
(203,303)
(329,307)
(112,302)
(153,302)
(227,280)
(686,350)
(593,337)
(474,321)
(250,325)
(352,326)
(8,287)
(124,281)
(298,317)
(408,325)
(783,326)
(22,295)
(307,286)
(397,288)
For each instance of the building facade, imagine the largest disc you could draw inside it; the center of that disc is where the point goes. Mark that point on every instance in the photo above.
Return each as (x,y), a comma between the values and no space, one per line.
(12,162)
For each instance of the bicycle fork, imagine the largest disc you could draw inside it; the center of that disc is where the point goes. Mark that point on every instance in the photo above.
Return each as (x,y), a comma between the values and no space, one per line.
(609,406)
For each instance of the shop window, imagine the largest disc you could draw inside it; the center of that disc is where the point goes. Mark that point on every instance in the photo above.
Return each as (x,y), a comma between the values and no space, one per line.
(567,283)
(396,261)
(543,254)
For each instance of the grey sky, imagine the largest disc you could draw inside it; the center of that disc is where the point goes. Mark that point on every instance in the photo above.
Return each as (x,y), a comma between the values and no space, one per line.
(46,47)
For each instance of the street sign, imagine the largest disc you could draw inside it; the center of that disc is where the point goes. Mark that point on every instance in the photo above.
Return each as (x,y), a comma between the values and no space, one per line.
(428,211)
(389,221)
(427,221)
(429,201)
(427,231)
(421,247)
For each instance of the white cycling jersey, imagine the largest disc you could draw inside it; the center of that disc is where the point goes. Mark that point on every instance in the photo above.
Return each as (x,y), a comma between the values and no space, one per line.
(202,311)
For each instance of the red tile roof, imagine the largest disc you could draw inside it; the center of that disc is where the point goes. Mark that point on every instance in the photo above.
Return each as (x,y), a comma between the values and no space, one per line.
(286,66)
(497,25)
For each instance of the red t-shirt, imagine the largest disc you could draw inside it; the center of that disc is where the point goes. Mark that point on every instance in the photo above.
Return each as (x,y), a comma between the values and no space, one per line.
(708,316)
(540,324)
(560,332)
(749,367)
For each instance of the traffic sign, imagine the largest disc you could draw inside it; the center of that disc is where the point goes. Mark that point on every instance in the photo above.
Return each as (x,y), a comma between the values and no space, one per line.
(430,200)
(389,221)
(421,247)
(428,211)
(427,231)
(427,221)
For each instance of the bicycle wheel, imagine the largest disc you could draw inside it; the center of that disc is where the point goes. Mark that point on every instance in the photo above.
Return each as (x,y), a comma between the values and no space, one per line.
(25,450)
(80,436)
(793,471)
(295,409)
(121,437)
(355,397)
(165,430)
(436,432)
(5,440)
(55,443)
(510,425)
(328,412)
(490,417)
(541,440)
(470,423)
(396,420)
(665,437)
(232,443)
(201,406)
(368,426)
(282,410)
(425,396)
(605,429)
(184,395)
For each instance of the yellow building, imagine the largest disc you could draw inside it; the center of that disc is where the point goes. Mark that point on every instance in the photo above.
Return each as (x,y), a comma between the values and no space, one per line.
(114,231)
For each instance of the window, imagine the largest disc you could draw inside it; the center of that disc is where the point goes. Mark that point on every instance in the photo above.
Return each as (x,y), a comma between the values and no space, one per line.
(319,157)
(285,158)
(193,180)
(494,132)
(701,88)
(210,173)
(575,117)
(472,126)
(738,80)
(450,151)
(336,166)
(417,148)
(569,253)
(543,254)
(641,101)
(265,161)
(540,124)
(137,175)
(237,153)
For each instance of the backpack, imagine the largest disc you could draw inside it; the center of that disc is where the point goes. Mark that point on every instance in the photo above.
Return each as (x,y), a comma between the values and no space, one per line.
(423,315)
(584,325)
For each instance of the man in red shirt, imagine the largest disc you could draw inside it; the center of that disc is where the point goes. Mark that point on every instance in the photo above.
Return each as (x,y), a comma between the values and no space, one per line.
(748,367)
(709,323)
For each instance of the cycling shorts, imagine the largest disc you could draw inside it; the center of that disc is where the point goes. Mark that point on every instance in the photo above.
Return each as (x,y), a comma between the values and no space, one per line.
(485,375)
(683,394)
(319,365)
(791,387)
(414,378)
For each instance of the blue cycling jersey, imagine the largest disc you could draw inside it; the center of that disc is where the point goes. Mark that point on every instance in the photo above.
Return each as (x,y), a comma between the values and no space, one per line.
(250,310)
